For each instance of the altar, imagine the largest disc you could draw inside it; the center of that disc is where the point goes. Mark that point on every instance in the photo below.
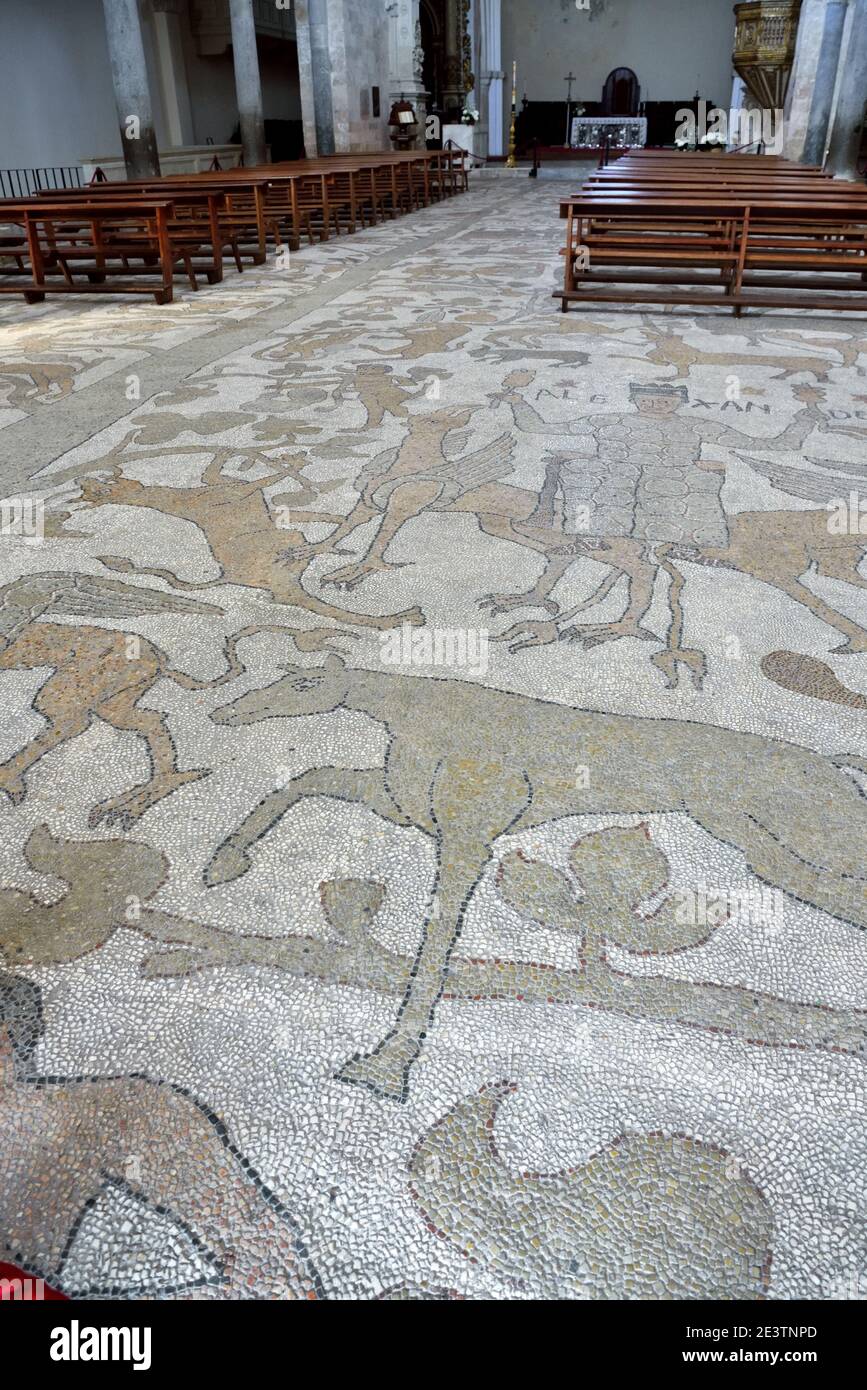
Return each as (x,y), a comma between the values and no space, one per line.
(594,132)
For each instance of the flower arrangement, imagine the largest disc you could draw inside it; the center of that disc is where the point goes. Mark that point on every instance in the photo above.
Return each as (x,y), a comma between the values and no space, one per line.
(469,116)
(713,139)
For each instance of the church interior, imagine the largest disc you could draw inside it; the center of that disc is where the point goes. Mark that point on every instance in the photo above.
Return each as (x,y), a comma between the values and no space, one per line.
(433,773)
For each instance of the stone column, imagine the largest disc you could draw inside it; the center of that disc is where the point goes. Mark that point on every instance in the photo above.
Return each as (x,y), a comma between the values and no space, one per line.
(822,104)
(471,96)
(248,87)
(799,95)
(320,66)
(491,75)
(739,93)
(305,77)
(851,100)
(477,97)
(810,96)
(131,91)
(742,99)
(172,71)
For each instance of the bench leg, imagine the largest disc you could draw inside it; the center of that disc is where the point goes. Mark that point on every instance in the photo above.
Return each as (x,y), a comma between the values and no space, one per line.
(191,274)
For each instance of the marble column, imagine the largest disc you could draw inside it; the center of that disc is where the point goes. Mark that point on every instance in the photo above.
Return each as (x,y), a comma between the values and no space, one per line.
(476,98)
(826,78)
(810,94)
(799,94)
(305,77)
(851,100)
(321,74)
(742,130)
(491,75)
(248,86)
(471,96)
(131,91)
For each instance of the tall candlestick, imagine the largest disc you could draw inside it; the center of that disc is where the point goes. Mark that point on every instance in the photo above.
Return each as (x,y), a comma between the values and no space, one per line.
(511,162)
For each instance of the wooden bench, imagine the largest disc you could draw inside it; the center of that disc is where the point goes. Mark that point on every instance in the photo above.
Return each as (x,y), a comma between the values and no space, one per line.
(243,219)
(721,236)
(197,230)
(95,238)
(116,237)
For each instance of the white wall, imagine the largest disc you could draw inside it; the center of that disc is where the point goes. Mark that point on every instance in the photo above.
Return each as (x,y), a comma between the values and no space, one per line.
(675,47)
(56,96)
(211,83)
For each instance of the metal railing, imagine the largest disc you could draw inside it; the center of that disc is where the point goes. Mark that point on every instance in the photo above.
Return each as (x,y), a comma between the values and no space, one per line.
(23,183)
(739,149)
(451,144)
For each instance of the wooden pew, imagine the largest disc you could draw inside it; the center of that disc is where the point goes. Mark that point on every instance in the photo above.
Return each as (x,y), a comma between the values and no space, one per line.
(722,234)
(675,240)
(113,237)
(243,221)
(96,238)
(197,230)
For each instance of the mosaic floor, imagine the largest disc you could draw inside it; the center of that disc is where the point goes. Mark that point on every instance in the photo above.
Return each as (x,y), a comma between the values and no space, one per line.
(433,769)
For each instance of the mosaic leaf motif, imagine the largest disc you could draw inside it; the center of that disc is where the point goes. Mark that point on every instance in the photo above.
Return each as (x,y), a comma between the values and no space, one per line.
(618,868)
(106,883)
(351,904)
(614,871)
(538,892)
(647,1217)
(122,1244)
